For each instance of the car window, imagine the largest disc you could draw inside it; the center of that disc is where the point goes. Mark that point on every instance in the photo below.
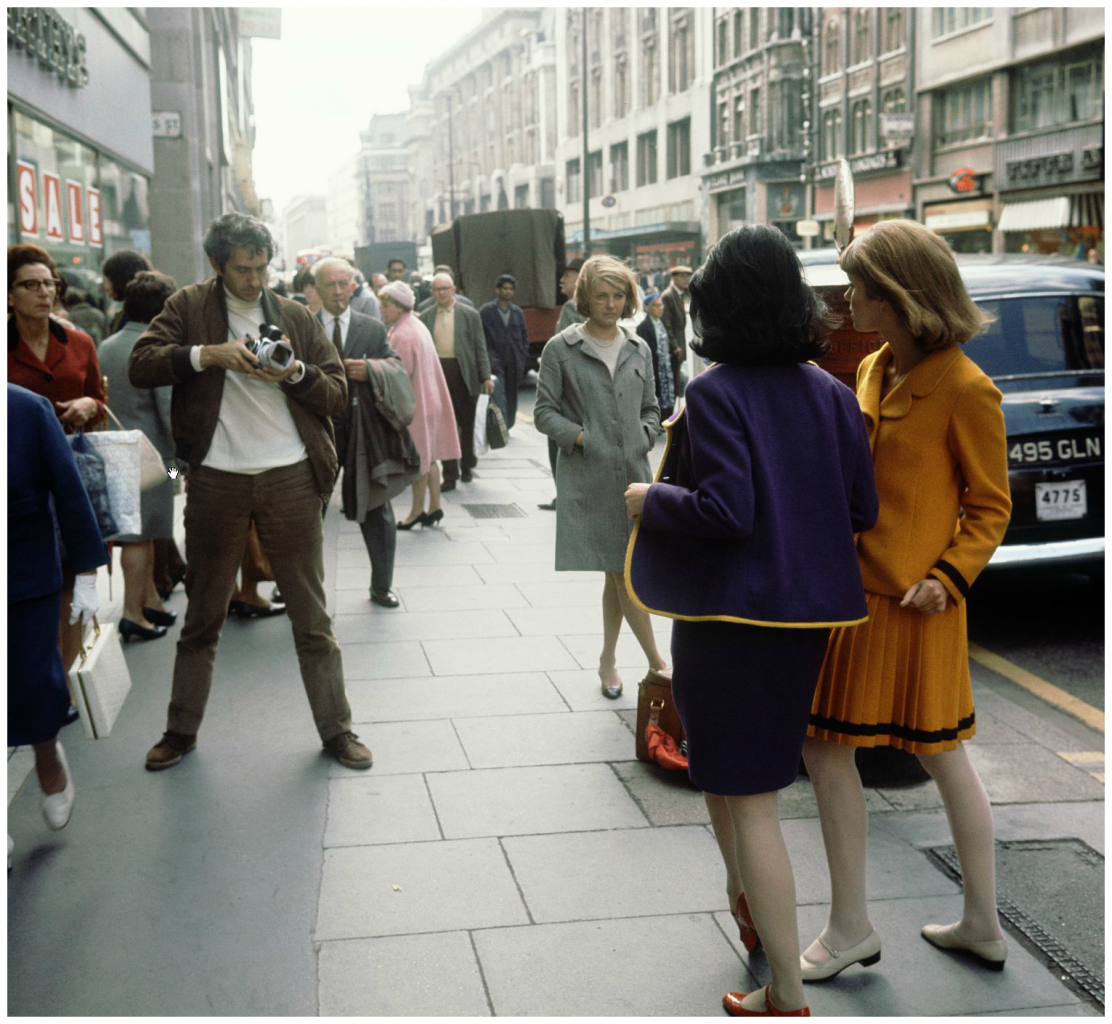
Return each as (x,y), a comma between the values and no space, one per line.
(1042,334)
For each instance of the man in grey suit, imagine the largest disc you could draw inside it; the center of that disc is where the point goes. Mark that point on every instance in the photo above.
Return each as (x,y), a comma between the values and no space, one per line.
(463,300)
(358,338)
(677,317)
(457,333)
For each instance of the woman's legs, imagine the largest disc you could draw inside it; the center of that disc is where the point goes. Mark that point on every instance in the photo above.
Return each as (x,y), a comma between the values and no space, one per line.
(640,622)
(137,562)
(48,767)
(970,815)
(845,827)
(418,504)
(748,832)
(434,487)
(611,627)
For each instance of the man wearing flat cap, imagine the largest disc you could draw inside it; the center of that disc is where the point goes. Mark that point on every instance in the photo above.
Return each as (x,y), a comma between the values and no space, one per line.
(507,341)
(677,317)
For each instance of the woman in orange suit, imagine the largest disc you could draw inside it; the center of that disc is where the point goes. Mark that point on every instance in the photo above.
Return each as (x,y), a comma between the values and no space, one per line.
(901,679)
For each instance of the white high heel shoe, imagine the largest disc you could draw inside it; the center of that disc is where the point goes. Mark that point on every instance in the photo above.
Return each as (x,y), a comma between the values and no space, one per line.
(866,953)
(57,807)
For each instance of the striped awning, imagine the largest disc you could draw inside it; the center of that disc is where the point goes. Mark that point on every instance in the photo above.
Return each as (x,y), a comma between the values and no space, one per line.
(1087,211)
(1036,215)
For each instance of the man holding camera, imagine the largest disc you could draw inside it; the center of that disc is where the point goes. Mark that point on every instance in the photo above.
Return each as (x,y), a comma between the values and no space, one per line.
(252,420)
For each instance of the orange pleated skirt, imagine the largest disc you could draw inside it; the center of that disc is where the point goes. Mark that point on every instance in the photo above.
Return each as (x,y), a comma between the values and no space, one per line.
(901,679)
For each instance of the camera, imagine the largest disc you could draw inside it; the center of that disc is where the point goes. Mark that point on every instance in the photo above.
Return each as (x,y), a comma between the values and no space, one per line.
(269,348)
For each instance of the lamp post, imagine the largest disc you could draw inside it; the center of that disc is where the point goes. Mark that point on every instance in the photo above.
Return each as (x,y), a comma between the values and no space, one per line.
(451,162)
(586,168)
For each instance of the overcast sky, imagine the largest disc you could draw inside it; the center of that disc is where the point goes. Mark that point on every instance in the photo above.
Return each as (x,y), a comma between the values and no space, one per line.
(318,86)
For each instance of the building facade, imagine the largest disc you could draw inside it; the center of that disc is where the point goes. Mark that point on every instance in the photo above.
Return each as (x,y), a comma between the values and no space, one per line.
(344,217)
(1010,111)
(80,153)
(305,222)
(385,181)
(647,77)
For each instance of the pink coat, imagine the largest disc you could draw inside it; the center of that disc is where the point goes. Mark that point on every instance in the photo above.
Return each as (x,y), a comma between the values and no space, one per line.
(434,423)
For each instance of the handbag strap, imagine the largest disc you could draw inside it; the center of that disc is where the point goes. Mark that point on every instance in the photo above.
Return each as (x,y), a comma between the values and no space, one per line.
(96,636)
(115,419)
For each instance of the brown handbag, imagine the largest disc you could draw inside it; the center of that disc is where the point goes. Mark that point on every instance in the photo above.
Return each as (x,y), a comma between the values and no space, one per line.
(659,736)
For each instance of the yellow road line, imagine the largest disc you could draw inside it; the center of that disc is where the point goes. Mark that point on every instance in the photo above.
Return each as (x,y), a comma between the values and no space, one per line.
(1083,756)
(1052,694)
(1099,776)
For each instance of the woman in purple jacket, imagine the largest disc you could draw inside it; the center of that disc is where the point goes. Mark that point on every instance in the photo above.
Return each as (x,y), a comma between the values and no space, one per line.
(746,539)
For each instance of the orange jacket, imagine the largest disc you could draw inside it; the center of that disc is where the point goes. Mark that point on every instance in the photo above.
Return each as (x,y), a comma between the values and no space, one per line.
(939,446)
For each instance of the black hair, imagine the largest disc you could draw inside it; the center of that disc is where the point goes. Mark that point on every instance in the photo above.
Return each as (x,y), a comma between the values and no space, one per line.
(146,295)
(121,267)
(303,277)
(396,259)
(751,304)
(75,296)
(505,279)
(237,231)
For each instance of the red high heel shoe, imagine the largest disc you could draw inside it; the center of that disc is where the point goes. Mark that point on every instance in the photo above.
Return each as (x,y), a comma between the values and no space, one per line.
(731,1001)
(747,931)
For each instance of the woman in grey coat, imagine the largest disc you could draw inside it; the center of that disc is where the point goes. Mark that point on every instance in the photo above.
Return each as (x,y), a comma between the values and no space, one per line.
(148,410)
(597,400)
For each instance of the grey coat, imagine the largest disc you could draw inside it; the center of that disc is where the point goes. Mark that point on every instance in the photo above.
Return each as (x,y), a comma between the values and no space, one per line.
(471,348)
(620,419)
(145,409)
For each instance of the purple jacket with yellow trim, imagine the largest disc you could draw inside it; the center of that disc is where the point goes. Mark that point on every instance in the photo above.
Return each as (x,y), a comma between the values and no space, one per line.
(766,478)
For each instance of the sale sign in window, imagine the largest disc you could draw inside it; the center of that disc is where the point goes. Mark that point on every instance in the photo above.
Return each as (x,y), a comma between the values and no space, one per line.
(26,186)
(52,192)
(76,211)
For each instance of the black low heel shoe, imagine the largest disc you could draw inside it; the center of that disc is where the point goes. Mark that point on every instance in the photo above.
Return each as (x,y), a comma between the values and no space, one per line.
(129,630)
(160,618)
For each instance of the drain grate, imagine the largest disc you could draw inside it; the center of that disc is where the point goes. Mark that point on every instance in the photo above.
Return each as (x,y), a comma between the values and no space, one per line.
(1052,893)
(494,512)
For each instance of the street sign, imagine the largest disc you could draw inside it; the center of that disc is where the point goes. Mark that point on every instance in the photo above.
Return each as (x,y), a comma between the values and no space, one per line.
(261,22)
(609,201)
(898,125)
(807,228)
(166,124)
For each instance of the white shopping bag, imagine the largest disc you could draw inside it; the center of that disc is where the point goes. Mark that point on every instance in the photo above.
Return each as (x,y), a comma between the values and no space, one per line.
(123,459)
(481,446)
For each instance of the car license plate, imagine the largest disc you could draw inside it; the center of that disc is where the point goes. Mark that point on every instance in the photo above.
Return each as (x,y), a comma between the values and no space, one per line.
(1065,500)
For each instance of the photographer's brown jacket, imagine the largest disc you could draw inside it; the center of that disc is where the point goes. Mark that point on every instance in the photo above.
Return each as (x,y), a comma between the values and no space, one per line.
(197,315)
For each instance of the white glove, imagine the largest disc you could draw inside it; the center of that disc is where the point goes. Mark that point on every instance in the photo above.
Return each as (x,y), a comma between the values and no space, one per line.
(85,601)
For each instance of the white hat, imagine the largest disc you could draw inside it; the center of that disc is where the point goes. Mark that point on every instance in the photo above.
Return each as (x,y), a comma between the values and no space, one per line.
(399,292)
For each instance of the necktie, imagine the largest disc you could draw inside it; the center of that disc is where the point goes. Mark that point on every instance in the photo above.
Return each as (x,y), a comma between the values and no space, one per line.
(336,339)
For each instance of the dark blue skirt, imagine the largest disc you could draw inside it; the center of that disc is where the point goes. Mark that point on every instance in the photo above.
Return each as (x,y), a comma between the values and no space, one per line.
(37,694)
(744,696)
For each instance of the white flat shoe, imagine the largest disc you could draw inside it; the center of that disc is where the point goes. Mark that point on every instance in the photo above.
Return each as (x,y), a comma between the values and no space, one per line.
(991,952)
(866,953)
(57,807)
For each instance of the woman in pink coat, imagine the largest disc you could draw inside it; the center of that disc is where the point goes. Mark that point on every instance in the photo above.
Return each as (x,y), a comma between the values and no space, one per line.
(434,424)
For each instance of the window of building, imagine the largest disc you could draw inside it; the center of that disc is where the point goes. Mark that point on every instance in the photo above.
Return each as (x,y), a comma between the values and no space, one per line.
(621,87)
(594,98)
(723,124)
(646,159)
(619,27)
(893,20)
(861,139)
(1059,91)
(860,44)
(681,67)
(573,108)
(950,19)
(722,49)
(831,46)
(679,148)
(964,113)
(594,174)
(754,111)
(782,24)
(619,167)
(521,197)
(739,119)
(575,181)
(754,27)
(650,70)
(739,31)
(786,114)
(893,101)
(832,134)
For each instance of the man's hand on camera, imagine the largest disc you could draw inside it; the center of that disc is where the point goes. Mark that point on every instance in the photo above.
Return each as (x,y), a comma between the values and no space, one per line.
(274,376)
(232,355)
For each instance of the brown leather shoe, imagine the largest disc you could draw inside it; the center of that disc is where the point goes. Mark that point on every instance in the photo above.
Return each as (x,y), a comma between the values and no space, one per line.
(169,750)
(347,749)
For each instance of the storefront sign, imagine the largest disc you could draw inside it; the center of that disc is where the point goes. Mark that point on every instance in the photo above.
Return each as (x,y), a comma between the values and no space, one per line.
(76,210)
(898,125)
(1092,159)
(785,202)
(166,124)
(27,188)
(41,33)
(965,180)
(725,179)
(92,198)
(863,164)
(52,191)
(1040,170)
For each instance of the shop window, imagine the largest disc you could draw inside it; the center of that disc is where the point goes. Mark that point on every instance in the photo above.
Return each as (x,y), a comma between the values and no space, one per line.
(125,201)
(951,19)
(1060,91)
(862,128)
(831,46)
(964,113)
(679,148)
(574,181)
(646,159)
(619,167)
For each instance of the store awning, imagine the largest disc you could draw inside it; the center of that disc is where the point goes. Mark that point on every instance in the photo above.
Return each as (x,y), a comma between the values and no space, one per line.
(1087,211)
(1036,215)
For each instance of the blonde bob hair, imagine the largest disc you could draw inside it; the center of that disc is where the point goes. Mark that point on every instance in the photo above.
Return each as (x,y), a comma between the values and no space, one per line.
(911,268)
(611,271)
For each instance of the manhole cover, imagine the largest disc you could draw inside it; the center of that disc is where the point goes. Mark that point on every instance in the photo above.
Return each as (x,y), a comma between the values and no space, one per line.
(494,512)
(1052,893)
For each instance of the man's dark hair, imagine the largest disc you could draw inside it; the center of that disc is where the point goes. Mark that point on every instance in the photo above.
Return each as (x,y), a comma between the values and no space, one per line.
(505,279)
(146,295)
(303,277)
(396,259)
(751,304)
(237,231)
(75,297)
(122,266)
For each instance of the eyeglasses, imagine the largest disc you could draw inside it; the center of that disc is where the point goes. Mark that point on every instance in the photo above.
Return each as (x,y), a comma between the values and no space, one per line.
(444,288)
(330,286)
(34,284)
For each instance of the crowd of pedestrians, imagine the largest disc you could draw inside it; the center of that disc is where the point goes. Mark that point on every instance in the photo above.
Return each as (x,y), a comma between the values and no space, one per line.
(813,546)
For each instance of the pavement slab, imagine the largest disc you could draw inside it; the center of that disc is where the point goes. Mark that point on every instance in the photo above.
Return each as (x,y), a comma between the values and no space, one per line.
(611,968)
(524,801)
(571,593)
(370,809)
(402,976)
(479,696)
(581,689)
(464,598)
(407,748)
(511,654)
(413,888)
(665,797)
(585,647)
(622,873)
(532,572)
(383,661)
(544,739)
(437,551)
(414,625)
